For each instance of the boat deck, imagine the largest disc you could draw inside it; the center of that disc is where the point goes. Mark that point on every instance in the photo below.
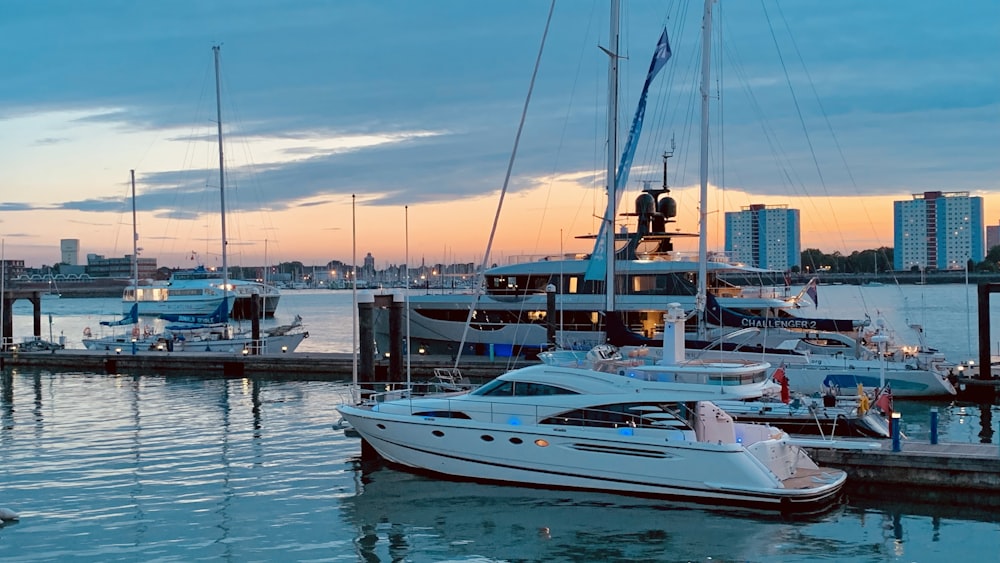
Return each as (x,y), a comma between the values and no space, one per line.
(806,478)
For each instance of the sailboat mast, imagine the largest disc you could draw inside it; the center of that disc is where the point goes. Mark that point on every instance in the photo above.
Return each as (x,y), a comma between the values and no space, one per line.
(609,231)
(706,60)
(222,188)
(135,245)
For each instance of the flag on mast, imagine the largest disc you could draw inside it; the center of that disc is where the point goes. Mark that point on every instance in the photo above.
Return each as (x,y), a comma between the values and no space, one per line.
(811,291)
(596,268)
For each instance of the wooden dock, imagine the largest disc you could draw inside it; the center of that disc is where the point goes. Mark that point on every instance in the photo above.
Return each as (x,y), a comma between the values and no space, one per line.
(954,473)
(332,366)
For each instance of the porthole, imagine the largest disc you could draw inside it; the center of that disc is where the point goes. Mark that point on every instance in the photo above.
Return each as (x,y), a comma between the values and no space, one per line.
(516,440)
(380,426)
(486,438)
(438,433)
(542,443)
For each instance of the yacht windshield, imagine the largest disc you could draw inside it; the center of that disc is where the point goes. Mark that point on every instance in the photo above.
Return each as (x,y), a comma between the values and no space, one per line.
(506,388)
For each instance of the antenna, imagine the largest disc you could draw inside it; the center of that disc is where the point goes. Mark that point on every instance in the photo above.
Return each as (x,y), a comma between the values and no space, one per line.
(667,155)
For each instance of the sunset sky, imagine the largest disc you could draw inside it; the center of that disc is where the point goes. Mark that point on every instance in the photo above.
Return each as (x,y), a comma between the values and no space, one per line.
(836,109)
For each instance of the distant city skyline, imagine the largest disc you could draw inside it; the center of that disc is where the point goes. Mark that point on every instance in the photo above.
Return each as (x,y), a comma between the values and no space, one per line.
(388,126)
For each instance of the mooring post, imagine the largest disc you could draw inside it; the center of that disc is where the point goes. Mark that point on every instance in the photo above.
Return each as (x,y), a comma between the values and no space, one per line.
(366,334)
(896,419)
(255,308)
(934,425)
(396,336)
(985,289)
(550,315)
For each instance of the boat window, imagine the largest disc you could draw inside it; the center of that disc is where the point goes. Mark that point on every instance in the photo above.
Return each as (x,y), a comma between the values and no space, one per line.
(443,414)
(495,388)
(502,388)
(525,389)
(617,415)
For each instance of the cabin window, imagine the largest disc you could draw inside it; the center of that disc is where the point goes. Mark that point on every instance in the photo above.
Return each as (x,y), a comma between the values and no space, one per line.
(573,285)
(499,388)
(618,415)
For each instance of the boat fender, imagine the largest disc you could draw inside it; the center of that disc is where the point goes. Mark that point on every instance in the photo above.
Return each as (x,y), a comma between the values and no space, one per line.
(305,335)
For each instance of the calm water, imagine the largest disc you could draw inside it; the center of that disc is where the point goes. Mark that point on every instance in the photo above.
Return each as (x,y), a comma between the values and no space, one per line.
(182,468)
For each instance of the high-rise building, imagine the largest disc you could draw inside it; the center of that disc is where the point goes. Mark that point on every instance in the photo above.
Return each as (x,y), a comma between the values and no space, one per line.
(69,251)
(368,270)
(764,236)
(938,230)
(992,236)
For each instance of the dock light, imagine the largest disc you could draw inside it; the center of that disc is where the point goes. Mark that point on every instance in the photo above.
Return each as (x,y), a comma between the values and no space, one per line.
(284,349)
(159,347)
(246,351)
(118,351)
(387,355)
(421,351)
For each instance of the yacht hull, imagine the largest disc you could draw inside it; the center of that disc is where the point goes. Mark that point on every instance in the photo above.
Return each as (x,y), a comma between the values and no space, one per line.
(270,345)
(607,460)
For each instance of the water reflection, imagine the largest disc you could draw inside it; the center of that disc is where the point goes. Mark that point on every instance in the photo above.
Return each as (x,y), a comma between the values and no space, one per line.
(397,515)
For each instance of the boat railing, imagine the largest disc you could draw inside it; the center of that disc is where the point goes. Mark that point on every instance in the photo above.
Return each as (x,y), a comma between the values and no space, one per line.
(383,391)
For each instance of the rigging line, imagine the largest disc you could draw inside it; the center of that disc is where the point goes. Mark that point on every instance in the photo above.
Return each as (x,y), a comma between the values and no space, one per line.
(826,117)
(786,168)
(503,190)
(553,171)
(798,111)
(795,100)
(833,136)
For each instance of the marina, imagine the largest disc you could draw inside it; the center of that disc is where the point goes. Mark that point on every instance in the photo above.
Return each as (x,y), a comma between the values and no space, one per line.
(809,384)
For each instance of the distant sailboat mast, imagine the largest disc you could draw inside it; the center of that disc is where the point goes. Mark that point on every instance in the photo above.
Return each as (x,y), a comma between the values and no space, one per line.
(706,53)
(135,251)
(222,189)
(609,230)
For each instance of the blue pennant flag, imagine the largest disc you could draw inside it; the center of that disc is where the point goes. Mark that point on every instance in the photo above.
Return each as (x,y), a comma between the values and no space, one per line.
(597,265)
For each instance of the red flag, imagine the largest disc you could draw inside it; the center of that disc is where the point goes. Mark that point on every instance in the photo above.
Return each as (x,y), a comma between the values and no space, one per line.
(884,401)
(780,377)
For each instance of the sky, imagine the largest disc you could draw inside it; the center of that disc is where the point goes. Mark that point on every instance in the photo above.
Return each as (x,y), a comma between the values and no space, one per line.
(388,127)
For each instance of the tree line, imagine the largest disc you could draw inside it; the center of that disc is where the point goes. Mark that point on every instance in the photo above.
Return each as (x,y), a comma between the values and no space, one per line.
(875,260)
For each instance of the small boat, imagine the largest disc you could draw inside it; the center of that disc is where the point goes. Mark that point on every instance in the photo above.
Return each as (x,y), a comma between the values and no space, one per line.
(177,297)
(199,292)
(770,403)
(549,426)
(815,360)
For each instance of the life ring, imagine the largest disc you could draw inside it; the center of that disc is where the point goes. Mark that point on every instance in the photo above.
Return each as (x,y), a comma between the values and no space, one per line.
(86,332)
